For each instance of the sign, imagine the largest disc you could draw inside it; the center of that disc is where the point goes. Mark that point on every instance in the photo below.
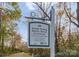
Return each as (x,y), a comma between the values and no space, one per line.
(39,34)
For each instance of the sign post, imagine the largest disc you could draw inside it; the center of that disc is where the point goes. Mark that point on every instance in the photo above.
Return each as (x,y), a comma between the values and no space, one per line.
(52,32)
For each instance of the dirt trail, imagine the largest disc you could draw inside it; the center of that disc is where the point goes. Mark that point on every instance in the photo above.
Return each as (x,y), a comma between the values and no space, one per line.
(21,54)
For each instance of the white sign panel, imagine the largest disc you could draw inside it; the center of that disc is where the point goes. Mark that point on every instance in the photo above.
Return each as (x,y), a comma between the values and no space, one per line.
(39,34)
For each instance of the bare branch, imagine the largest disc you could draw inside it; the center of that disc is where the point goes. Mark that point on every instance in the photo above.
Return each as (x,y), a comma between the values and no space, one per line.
(48,6)
(41,9)
(73,16)
(70,18)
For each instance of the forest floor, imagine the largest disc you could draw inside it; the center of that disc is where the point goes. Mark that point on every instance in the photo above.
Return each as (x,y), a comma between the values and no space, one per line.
(20,54)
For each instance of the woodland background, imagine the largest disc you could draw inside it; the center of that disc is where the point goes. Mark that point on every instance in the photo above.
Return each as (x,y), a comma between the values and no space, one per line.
(66,29)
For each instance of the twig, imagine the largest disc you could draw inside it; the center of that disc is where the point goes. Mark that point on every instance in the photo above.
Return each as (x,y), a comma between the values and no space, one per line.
(70,18)
(42,10)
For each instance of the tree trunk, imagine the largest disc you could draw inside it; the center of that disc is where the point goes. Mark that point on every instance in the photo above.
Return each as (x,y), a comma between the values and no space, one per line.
(78,12)
(78,19)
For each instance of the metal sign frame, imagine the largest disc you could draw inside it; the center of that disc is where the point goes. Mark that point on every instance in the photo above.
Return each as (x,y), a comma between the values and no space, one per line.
(39,46)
